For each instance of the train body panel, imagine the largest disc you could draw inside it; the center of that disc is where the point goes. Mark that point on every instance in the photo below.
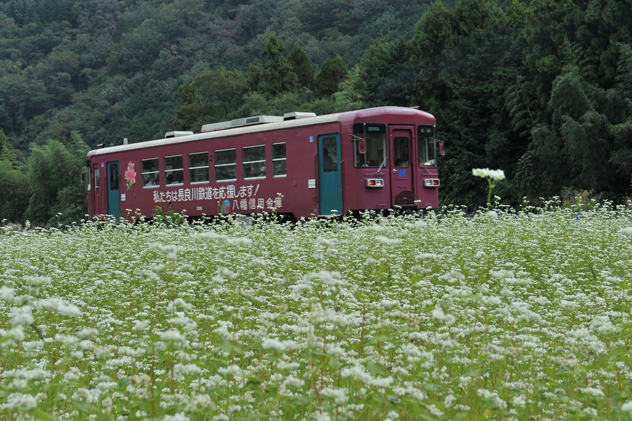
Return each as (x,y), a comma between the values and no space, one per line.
(368,159)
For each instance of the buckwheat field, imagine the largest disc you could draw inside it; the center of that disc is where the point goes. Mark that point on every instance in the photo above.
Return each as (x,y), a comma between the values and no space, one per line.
(519,315)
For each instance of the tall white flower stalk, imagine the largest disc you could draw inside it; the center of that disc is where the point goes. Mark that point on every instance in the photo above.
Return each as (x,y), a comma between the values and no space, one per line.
(491,176)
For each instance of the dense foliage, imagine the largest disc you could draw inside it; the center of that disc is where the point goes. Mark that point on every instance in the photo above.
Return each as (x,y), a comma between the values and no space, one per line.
(539,88)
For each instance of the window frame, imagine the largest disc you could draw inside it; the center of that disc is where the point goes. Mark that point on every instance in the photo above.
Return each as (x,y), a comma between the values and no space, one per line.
(189,167)
(426,136)
(216,165)
(244,163)
(173,170)
(143,172)
(279,160)
(381,130)
(397,150)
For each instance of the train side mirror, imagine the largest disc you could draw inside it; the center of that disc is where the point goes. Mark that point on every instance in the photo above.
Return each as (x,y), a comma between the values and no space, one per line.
(362,146)
(441,148)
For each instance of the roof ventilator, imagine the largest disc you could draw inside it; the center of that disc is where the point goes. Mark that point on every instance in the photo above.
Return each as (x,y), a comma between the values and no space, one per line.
(241,122)
(177,134)
(297,115)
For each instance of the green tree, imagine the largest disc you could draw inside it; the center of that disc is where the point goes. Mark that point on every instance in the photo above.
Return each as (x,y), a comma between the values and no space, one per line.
(15,192)
(331,74)
(302,66)
(278,75)
(54,171)
(210,97)
(7,153)
(13,184)
(385,74)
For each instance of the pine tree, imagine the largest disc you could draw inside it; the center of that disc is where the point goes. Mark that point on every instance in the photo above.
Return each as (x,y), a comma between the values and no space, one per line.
(278,75)
(302,66)
(331,74)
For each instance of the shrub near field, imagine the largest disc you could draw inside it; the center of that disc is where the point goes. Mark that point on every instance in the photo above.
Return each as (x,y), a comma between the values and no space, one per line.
(522,316)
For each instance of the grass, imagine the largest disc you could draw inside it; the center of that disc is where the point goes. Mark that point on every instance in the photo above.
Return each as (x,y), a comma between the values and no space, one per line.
(506,315)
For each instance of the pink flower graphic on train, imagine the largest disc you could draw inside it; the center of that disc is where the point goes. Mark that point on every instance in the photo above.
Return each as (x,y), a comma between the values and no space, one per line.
(130,175)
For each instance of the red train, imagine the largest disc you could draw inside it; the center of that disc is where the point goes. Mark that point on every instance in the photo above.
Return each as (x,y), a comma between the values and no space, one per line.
(299,164)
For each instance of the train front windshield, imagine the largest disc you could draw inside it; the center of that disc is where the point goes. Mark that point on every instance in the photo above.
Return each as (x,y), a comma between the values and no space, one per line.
(374,152)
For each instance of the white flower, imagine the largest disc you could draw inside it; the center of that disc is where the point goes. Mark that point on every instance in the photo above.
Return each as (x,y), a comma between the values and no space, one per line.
(487,173)
(21,316)
(7,293)
(37,280)
(20,401)
(627,407)
(338,395)
(177,417)
(87,332)
(388,241)
(140,325)
(172,335)
(438,314)
(60,306)
(591,391)
(292,381)
(230,370)
(626,231)
(275,344)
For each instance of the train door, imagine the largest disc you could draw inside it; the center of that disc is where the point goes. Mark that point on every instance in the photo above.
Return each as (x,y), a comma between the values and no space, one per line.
(329,175)
(114,200)
(402,168)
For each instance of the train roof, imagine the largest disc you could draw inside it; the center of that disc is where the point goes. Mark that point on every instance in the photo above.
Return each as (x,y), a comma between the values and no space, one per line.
(258,128)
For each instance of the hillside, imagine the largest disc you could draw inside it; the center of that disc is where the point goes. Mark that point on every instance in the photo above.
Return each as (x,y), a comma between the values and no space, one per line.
(111,69)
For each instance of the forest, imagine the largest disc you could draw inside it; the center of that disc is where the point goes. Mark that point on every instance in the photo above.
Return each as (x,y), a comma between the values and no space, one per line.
(539,88)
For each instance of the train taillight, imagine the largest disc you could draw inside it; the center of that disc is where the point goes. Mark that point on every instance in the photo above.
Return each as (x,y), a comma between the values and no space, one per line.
(375,182)
(432,182)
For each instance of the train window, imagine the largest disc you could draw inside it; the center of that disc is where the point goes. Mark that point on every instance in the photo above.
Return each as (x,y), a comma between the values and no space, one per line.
(401,151)
(426,146)
(174,172)
(150,172)
(254,161)
(279,166)
(96,179)
(330,154)
(198,167)
(226,165)
(114,177)
(374,135)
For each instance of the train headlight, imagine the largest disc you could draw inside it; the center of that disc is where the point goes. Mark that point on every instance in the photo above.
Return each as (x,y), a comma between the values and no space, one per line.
(375,182)
(432,182)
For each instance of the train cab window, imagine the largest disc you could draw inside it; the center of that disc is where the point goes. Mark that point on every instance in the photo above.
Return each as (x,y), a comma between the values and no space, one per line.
(426,146)
(330,154)
(96,179)
(254,161)
(174,171)
(279,162)
(226,165)
(150,172)
(198,167)
(372,153)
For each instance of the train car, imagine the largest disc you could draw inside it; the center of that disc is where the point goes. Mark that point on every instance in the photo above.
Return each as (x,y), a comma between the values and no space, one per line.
(299,164)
